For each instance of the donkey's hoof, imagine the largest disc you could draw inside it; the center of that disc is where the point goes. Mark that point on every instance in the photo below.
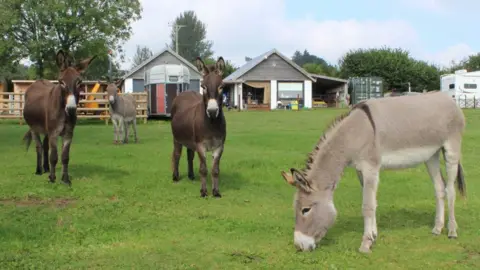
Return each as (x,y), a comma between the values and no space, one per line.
(364,249)
(216,193)
(38,172)
(452,235)
(203,193)
(52,178)
(367,242)
(175,177)
(115,142)
(66,180)
(191,176)
(436,231)
(125,141)
(46,170)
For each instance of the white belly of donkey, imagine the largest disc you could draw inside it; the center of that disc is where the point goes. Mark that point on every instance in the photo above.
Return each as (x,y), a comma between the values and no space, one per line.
(408,157)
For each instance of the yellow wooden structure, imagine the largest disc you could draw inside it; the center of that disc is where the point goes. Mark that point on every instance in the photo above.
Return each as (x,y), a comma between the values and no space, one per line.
(91,98)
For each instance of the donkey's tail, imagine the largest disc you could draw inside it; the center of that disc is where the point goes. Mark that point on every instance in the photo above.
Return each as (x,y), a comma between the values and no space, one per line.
(27,138)
(461,185)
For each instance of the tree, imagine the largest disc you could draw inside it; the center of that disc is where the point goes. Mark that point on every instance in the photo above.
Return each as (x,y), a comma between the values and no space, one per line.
(191,38)
(142,54)
(9,54)
(314,64)
(470,63)
(40,28)
(395,66)
(229,67)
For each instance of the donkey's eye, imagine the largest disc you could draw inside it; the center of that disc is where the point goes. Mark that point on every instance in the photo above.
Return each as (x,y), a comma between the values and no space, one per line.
(305,210)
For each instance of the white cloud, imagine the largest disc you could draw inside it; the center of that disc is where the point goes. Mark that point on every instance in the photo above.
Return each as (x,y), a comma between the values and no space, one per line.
(251,27)
(453,53)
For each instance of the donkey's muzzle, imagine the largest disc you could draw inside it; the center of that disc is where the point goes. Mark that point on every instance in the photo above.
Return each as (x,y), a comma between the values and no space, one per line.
(303,242)
(212,108)
(71,106)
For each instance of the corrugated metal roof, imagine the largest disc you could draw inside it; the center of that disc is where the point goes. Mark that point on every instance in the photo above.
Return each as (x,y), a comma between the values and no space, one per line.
(257,60)
(155,56)
(328,78)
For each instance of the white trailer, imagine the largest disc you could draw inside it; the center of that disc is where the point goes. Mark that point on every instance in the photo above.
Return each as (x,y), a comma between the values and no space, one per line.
(463,86)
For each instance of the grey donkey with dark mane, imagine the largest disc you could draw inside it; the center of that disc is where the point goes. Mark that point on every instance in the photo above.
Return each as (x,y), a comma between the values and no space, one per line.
(123,112)
(388,133)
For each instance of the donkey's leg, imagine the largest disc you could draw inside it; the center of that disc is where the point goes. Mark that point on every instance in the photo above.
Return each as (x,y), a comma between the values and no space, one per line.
(135,129)
(115,130)
(38,148)
(217,155)
(452,158)
(67,140)
(121,122)
(46,168)
(433,167)
(52,140)
(126,125)
(177,153)
(190,157)
(370,185)
(203,170)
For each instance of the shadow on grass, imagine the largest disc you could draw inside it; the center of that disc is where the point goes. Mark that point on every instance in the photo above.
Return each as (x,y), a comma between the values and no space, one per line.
(227,180)
(395,219)
(79,171)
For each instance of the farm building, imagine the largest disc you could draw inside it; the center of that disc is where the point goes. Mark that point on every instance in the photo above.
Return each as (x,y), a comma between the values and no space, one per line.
(135,78)
(272,78)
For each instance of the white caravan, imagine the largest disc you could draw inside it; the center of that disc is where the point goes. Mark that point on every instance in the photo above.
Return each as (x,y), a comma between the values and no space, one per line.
(463,86)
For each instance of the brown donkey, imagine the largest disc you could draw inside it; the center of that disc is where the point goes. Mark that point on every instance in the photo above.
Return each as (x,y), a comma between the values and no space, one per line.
(198,124)
(51,109)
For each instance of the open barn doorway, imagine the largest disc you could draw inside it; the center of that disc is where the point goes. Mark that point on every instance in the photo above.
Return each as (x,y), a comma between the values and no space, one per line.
(328,91)
(256,94)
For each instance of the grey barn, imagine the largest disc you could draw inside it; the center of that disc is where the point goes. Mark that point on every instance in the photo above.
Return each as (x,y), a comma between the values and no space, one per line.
(272,78)
(135,78)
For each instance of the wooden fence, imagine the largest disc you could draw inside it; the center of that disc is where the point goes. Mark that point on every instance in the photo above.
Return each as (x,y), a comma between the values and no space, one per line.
(95,107)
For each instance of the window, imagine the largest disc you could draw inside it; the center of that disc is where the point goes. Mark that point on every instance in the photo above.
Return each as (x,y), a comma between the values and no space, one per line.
(290,90)
(470,86)
(173,78)
(451,86)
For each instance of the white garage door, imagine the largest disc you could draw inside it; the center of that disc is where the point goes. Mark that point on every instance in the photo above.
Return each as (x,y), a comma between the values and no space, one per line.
(290,90)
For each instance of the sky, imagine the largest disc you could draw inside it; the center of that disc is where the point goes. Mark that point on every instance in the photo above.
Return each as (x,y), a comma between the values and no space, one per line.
(438,31)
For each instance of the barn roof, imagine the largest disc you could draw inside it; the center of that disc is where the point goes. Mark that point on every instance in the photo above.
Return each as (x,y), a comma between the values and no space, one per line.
(257,60)
(155,56)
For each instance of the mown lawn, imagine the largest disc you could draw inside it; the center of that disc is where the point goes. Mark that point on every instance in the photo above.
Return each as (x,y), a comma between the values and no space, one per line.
(124,212)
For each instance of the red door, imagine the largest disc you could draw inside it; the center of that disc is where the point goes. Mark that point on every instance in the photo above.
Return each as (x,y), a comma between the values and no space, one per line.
(161,98)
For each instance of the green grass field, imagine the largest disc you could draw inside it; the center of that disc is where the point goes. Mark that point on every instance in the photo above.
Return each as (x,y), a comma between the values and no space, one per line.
(124,212)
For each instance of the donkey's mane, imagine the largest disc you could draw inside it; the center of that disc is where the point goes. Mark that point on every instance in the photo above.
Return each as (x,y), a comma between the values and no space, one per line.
(311,156)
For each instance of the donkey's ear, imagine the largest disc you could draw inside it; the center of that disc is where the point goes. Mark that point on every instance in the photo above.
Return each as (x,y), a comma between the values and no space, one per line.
(83,65)
(61,59)
(300,180)
(220,65)
(201,66)
(119,83)
(288,178)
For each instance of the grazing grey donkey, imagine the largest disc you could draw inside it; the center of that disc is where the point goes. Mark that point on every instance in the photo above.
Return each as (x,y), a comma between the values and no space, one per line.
(123,112)
(388,133)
